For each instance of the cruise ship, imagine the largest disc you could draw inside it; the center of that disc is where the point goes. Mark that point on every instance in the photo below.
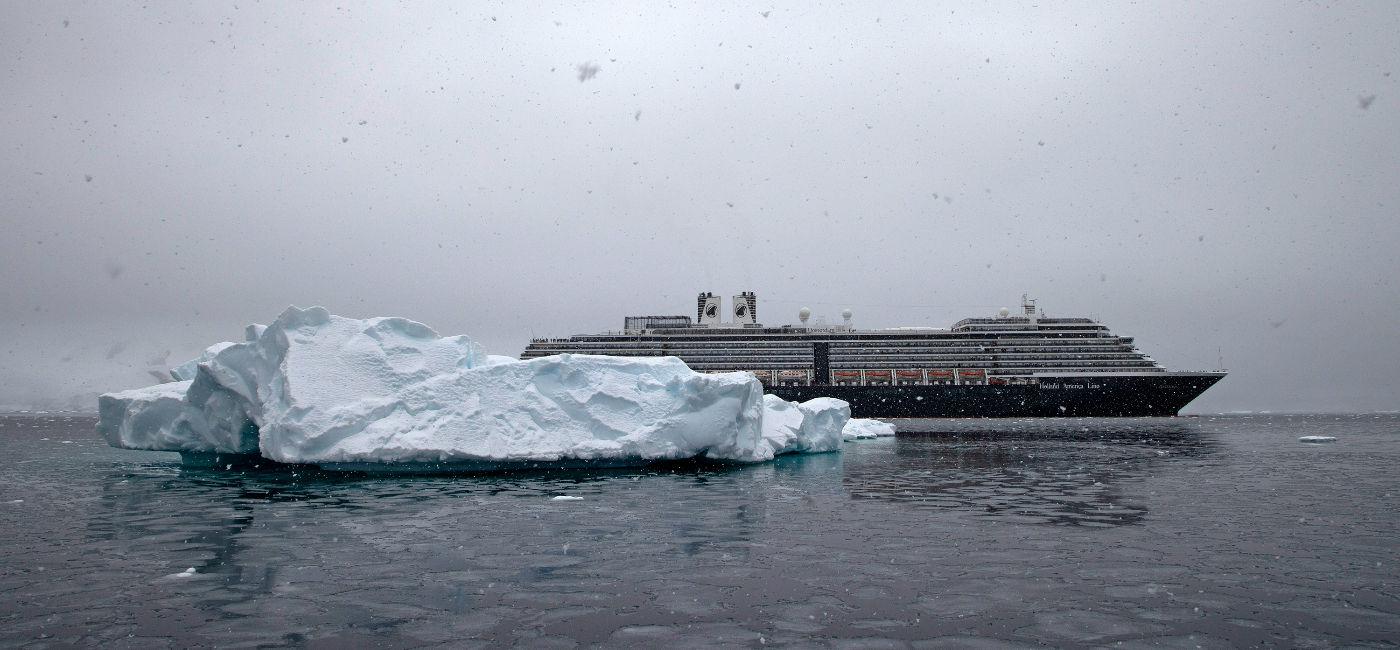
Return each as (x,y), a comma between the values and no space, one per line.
(1007,365)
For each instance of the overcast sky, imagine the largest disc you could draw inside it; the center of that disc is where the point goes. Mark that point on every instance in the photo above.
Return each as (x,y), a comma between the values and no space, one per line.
(1220,180)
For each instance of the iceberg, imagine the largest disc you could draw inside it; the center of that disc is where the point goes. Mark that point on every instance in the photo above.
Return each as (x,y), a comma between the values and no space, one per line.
(344,393)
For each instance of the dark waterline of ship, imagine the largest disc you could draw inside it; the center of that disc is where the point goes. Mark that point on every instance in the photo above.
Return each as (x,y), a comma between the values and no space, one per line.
(1204,531)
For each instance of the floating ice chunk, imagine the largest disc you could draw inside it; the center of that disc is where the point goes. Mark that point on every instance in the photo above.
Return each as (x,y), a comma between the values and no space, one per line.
(1317,439)
(565,497)
(187,573)
(864,429)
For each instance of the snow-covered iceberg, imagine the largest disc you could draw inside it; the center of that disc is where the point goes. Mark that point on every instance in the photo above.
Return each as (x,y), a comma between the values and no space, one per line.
(345,393)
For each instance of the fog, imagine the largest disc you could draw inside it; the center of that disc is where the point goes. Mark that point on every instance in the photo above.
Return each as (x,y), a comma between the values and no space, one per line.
(1219,180)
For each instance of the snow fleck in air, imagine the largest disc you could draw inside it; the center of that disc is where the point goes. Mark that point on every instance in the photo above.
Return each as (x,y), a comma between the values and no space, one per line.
(587,71)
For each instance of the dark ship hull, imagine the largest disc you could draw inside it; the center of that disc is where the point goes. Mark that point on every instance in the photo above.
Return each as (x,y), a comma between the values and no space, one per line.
(1161,394)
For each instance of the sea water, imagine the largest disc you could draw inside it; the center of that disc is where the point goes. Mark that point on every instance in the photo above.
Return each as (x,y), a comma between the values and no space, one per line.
(1211,531)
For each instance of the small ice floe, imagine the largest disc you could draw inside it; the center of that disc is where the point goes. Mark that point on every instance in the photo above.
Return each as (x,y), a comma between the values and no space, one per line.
(565,497)
(863,429)
(1317,439)
(183,574)
(16,500)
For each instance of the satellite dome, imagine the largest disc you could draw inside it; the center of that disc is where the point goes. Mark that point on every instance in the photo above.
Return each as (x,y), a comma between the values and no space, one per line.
(846,314)
(803,314)
(1004,311)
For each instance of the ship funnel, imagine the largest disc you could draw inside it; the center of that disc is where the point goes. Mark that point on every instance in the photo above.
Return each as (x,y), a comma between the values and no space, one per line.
(745,309)
(707,309)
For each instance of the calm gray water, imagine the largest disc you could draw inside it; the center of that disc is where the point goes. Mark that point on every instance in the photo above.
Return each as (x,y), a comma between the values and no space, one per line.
(1180,532)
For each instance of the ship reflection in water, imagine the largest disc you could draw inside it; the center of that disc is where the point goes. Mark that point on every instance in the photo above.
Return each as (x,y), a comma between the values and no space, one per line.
(1081,472)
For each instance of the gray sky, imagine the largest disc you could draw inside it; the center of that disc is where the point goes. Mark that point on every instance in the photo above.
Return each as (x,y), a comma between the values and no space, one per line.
(1216,179)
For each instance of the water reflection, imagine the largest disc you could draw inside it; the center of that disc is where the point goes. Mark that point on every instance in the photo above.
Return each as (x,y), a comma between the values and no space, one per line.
(416,547)
(1078,472)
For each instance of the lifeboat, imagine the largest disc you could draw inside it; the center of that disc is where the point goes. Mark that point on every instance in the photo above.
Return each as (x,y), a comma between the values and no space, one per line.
(846,376)
(910,373)
(878,377)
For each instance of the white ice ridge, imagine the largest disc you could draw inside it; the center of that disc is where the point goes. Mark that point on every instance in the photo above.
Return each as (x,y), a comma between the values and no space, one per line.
(322,389)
